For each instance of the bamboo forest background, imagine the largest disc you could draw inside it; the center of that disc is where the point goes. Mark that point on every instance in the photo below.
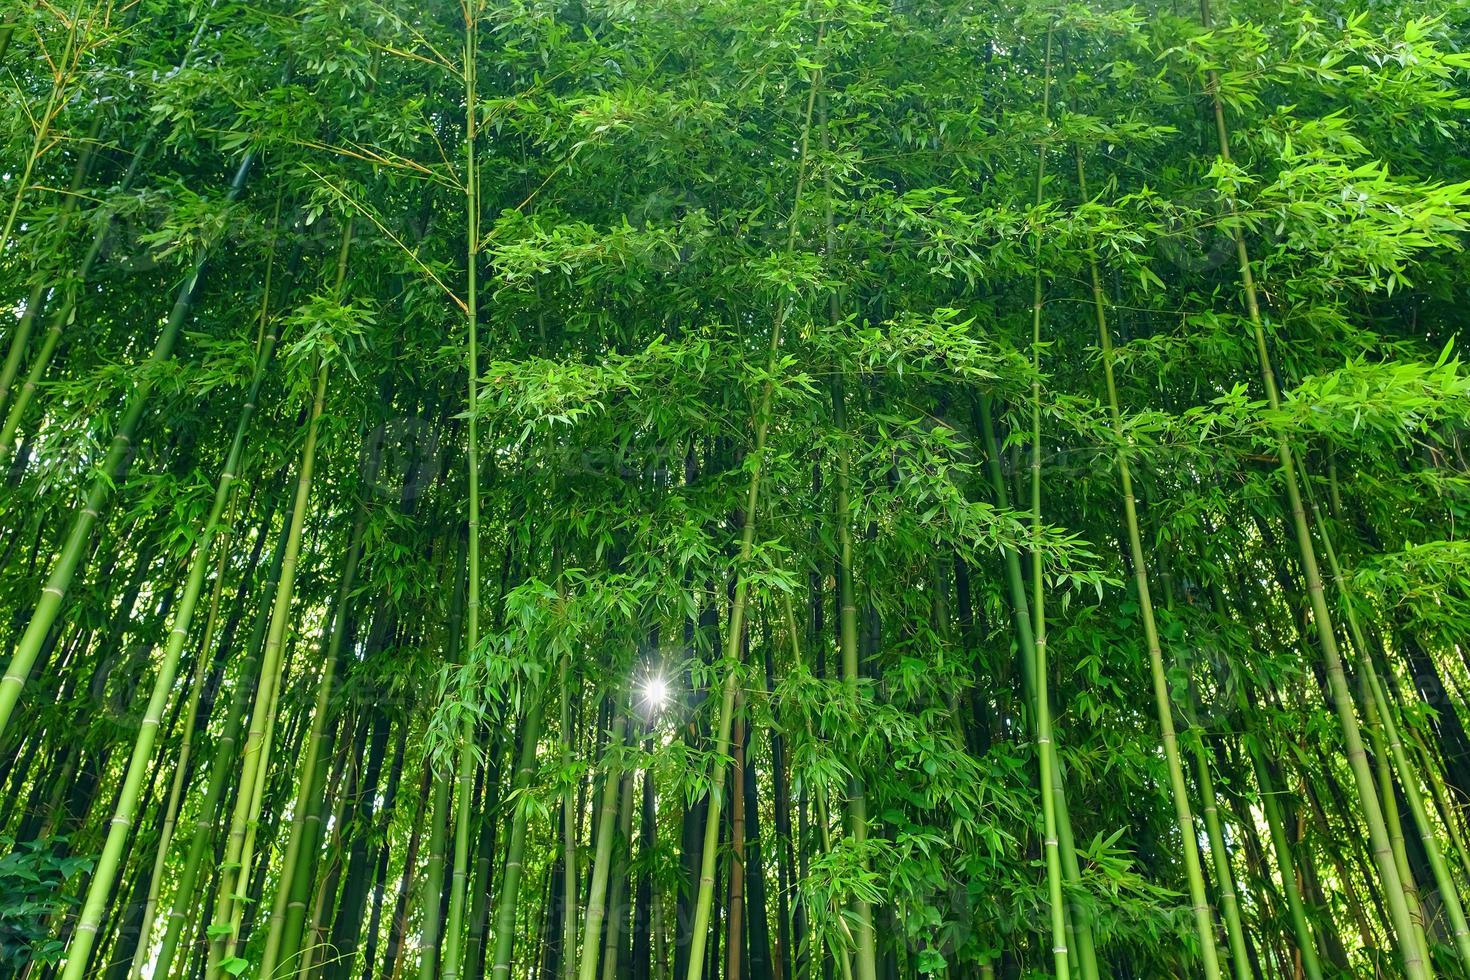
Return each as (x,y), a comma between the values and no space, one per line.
(771,489)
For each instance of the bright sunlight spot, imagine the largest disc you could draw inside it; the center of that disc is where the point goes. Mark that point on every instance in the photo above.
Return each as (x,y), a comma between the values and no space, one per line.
(655,693)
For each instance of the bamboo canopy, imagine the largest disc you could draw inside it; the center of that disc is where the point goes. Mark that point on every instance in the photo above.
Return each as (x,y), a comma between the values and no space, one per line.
(761,490)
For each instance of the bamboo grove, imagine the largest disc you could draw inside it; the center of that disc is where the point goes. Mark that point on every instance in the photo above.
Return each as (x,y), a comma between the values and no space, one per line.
(760,490)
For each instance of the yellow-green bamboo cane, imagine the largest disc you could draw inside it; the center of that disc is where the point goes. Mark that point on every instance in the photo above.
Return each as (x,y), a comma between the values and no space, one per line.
(255,756)
(1306,945)
(602,858)
(1081,927)
(1240,963)
(510,880)
(181,771)
(459,878)
(288,909)
(125,811)
(1449,893)
(1382,848)
(1183,813)
(570,875)
(704,897)
(114,464)
(1045,748)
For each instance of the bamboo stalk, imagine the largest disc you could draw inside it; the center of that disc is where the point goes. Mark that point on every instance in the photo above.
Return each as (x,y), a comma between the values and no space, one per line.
(1381,710)
(1225,876)
(459,879)
(1086,960)
(288,909)
(255,756)
(185,906)
(602,858)
(1204,922)
(125,811)
(1414,965)
(1046,751)
(510,881)
(762,421)
(114,467)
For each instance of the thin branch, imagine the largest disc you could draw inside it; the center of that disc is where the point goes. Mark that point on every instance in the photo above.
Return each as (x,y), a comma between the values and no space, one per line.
(411,253)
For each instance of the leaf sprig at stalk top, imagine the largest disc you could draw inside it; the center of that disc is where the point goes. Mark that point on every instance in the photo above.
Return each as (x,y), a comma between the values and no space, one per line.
(693,491)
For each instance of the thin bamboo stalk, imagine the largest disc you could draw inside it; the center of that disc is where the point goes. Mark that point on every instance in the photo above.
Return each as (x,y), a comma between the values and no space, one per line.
(704,897)
(1086,960)
(459,879)
(1046,752)
(1380,707)
(1183,812)
(255,756)
(1403,925)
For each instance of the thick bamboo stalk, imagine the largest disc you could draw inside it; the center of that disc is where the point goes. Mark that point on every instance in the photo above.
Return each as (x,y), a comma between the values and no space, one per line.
(114,467)
(614,958)
(380,872)
(432,899)
(288,909)
(510,878)
(602,858)
(735,902)
(398,927)
(192,722)
(125,811)
(857,807)
(568,828)
(185,904)
(823,817)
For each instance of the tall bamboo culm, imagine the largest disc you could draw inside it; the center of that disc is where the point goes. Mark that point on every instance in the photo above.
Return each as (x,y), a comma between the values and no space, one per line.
(1413,957)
